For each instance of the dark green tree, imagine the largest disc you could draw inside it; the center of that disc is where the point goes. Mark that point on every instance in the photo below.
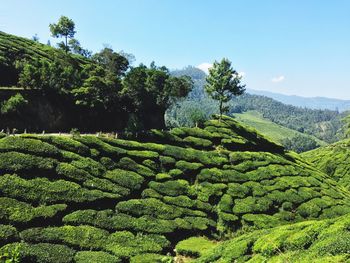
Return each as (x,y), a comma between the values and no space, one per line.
(64,28)
(112,61)
(148,92)
(223,83)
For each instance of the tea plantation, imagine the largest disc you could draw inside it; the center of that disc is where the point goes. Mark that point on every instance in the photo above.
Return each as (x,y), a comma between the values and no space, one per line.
(333,160)
(165,196)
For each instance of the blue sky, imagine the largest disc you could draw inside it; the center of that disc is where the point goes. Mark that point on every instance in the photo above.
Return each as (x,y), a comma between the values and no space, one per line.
(292,47)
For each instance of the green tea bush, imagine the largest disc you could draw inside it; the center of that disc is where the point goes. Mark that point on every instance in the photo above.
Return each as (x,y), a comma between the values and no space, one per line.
(85,237)
(161,177)
(66,143)
(129,164)
(194,246)
(89,165)
(198,142)
(143,154)
(31,146)
(8,234)
(108,163)
(188,168)
(124,178)
(176,173)
(69,171)
(205,191)
(171,188)
(101,146)
(20,162)
(151,207)
(151,258)
(14,211)
(106,185)
(47,253)
(216,175)
(260,221)
(43,191)
(167,162)
(251,205)
(181,200)
(151,164)
(125,244)
(95,257)
(238,190)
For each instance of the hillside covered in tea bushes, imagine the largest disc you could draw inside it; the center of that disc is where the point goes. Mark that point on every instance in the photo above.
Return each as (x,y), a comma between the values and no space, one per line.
(101,199)
(333,160)
(325,241)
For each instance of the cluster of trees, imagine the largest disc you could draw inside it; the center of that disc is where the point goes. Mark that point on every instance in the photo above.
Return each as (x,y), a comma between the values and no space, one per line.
(300,144)
(104,88)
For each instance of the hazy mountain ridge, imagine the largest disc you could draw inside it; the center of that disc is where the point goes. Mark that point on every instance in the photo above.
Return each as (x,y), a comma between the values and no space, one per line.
(306,102)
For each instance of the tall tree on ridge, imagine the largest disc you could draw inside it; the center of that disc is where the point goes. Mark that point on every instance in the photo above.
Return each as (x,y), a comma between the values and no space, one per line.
(223,83)
(64,28)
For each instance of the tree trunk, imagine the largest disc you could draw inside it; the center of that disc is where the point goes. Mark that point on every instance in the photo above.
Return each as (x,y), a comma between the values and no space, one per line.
(220,109)
(66,45)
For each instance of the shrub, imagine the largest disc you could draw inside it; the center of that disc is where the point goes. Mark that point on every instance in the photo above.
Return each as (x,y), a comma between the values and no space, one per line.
(143,154)
(167,162)
(95,257)
(175,173)
(187,167)
(221,176)
(194,246)
(47,253)
(205,191)
(237,190)
(8,234)
(89,165)
(151,207)
(43,191)
(251,205)
(124,178)
(14,211)
(151,258)
(125,245)
(150,164)
(66,143)
(18,162)
(198,142)
(129,164)
(71,172)
(31,146)
(260,221)
(182,201)
(163,177)
(86,237)
(101,146)
(108,163)
(106,185)
(171,188)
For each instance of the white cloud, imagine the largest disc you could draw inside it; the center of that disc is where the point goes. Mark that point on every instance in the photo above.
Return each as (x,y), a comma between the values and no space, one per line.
(205,67)
(278,79)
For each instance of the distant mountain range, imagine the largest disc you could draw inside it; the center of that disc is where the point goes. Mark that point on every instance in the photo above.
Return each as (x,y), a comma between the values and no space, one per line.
(312,102)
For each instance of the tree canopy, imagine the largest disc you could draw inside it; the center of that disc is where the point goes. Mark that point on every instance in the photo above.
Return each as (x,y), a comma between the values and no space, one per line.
(223,83)
(65,27)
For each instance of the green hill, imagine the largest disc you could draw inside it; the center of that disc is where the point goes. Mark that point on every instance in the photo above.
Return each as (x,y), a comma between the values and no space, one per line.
(14,49)
(99,199)
(274,131)
(323,241)
(333,160)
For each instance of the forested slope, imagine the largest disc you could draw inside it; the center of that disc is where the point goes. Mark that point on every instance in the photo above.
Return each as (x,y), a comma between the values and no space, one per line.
(99,199)
(323,124)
